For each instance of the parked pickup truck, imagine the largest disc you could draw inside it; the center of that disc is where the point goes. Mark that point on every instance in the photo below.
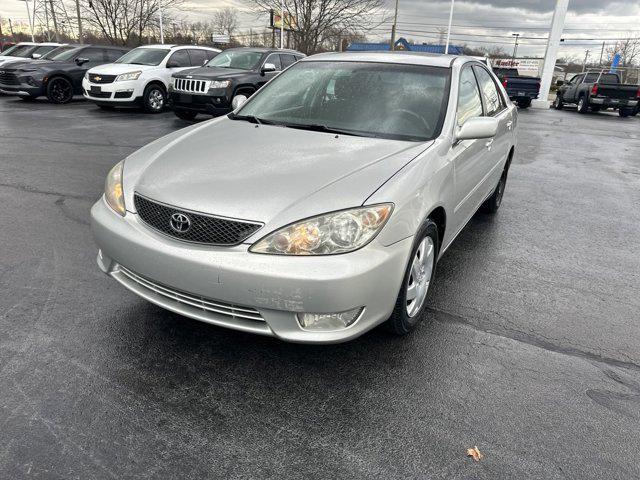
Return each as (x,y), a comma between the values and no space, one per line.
(597,90)
(521,89)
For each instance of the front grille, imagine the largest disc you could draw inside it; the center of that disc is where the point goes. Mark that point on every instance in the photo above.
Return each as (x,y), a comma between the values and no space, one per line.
(191,86)
(123,95)
(98,78)
(204,228)
(206,304)
(7,78)
(93,94)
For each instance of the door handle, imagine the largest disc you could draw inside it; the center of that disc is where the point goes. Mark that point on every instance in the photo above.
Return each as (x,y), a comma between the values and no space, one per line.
(509,124)
(489,144)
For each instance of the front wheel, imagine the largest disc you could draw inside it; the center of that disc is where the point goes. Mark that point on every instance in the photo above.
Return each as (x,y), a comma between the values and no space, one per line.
(185,114)
(411,302)
(558,104)
(154,99)
(59,90)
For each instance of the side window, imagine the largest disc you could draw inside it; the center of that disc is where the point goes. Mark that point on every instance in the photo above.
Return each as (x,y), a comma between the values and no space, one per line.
(576,79)
(92,54)
(490,95)
(275,59)
(210,54)
(198,57)
(113,55)
(287,60)
(469,103)
(179,59)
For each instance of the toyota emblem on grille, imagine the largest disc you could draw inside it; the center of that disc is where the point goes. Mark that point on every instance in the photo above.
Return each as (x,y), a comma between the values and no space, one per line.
(180,222)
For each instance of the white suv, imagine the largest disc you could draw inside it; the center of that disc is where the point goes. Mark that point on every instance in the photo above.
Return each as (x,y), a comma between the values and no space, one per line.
(141,77)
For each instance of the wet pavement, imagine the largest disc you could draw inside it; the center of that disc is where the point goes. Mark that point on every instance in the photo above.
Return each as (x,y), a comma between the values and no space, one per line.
(532,355)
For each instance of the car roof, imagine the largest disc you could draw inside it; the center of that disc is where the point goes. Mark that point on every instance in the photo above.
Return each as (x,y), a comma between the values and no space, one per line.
(408,58)
(167,46)
(266,50)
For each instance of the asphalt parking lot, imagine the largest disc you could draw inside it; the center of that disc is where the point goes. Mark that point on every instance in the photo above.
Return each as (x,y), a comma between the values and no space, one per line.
(533,355)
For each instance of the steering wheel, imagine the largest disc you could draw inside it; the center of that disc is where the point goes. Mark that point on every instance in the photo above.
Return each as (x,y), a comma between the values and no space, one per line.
(414,117)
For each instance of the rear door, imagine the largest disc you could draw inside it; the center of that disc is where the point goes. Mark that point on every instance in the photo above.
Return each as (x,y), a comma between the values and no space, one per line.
(467,155)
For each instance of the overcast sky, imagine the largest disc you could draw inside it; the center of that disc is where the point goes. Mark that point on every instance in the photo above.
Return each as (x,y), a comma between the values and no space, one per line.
(478,23)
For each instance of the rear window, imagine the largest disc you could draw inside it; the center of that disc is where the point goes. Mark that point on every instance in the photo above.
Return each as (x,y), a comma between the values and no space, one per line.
(606,78)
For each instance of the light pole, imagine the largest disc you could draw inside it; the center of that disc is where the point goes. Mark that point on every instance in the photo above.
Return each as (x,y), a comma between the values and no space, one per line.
(161,24)
(393,29)
(586,56)
(26,2)
(282,25)
(515,48)
(446,48)
(80,40)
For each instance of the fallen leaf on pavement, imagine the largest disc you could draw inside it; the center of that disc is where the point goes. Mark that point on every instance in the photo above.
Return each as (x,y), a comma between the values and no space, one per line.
(475,453)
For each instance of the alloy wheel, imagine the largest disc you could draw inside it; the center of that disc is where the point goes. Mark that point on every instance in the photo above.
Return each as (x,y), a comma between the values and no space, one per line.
(420,276)
(61,91)
(156,99)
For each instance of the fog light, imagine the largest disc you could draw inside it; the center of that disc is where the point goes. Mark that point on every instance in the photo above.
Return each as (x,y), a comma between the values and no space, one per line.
(328,321)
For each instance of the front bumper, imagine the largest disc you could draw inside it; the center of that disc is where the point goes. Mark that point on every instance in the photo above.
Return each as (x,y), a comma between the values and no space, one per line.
(216,102)
(275,286)
(22,90)
(127,93)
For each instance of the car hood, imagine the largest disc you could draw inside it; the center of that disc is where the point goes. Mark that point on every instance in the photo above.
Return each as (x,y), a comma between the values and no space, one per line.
(119,68)
(209,73)
(263,173)
(11,60)
(44,65)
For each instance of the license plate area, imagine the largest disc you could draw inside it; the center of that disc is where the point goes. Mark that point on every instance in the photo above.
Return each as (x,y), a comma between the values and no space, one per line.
(95,89)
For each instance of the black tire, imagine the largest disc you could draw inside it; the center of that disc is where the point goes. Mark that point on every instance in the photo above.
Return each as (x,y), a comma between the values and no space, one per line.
(154,98)
(635,111)
(558,104)
(583,105)
(59,90)
(595,109)
(400,322)
(492,204)
(27,98)
(106,107)
(524,103)
(185,114)
(624,112)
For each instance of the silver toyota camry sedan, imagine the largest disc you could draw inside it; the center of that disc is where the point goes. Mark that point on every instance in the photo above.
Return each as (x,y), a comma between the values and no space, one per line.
(319,208)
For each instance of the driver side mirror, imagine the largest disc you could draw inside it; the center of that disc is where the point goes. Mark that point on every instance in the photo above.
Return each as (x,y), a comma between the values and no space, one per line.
(476,128)
(81,61)
(559,83)
(268,67)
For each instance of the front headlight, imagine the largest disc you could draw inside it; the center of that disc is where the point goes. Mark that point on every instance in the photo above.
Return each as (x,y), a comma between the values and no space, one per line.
(113,192)
(220,84)
(127,76)
(337,232)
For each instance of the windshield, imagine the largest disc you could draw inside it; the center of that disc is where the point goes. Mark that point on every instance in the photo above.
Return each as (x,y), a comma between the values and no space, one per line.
(56,51)
(43,50)
(144,56)
(607,78)
(240,59)
(66,55)
(9,51)
(403,102)
(23,51)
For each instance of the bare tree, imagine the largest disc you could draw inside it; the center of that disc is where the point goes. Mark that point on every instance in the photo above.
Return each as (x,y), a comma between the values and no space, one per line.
(124,22)
(225,21)
(316,21)
(629,50)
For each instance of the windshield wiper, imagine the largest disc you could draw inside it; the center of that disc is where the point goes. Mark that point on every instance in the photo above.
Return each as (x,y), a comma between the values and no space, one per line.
(318,127)
(249,118)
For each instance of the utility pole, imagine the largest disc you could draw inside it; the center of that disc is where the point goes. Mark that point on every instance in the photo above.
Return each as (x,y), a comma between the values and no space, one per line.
(601,55)
(13,35)
(392,46)
(26,2)
(515,48)
(55,21)
(551,55)
(80,36)
(446,48)
(161,25)
(584,64)
(282,25)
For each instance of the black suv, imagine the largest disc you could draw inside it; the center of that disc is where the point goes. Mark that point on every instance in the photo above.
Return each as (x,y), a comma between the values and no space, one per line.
(59,77)
(238,71)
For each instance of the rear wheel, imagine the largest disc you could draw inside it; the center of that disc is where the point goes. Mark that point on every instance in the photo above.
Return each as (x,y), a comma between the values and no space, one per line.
(583,105)
(411,302)
(59,90)
(492,204)
(185,114)
(524,103)
(625,112)
(154,99)
(557,102)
